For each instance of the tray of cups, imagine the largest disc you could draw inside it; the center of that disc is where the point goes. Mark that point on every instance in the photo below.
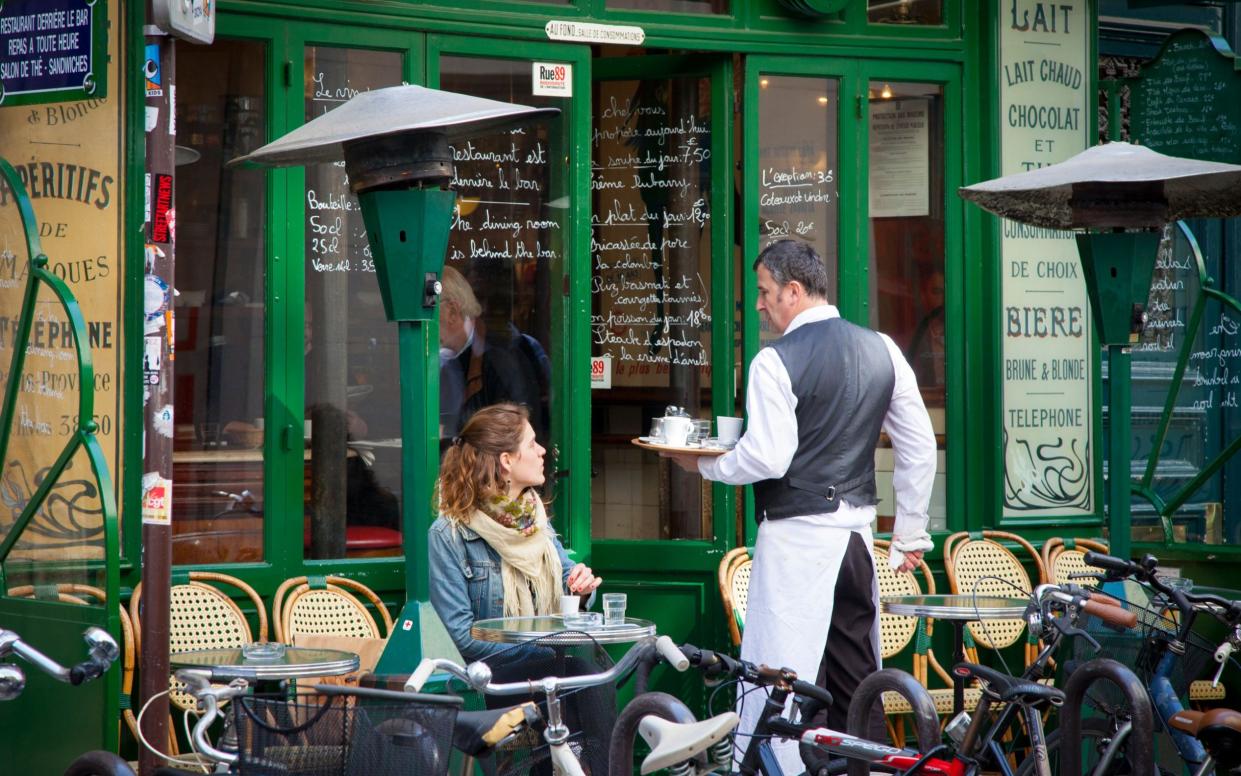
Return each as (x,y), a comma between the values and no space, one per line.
(710,447)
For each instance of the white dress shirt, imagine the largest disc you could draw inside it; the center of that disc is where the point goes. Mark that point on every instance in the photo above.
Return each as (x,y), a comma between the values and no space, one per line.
(766,449)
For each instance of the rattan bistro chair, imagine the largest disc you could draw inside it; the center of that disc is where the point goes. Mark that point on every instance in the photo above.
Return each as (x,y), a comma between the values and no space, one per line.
(327,605)
(976,562)
(1065,557)
(897,632)
(734,581)
(202,616)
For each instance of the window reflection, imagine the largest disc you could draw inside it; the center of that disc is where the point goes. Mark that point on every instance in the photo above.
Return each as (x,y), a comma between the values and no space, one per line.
(220,310)
(352,423)
(905,132)
(673,6)
(913,12)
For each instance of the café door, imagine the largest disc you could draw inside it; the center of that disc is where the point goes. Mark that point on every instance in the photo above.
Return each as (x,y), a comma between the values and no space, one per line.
(663,269)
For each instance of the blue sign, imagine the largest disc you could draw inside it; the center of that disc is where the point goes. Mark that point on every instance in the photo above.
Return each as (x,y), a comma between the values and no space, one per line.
(52,50)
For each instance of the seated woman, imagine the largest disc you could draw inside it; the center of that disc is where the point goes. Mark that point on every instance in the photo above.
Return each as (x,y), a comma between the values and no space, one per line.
(493,552)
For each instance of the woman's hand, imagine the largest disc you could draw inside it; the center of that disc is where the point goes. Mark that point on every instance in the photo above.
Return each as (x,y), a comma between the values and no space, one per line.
(582,581)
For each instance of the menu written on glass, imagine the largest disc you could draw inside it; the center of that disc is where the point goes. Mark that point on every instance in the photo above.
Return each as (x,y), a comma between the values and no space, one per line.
(503,215)
(335,233)
(650,235)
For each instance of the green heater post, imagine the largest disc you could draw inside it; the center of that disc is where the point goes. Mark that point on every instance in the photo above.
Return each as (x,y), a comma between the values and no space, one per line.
(1118,268)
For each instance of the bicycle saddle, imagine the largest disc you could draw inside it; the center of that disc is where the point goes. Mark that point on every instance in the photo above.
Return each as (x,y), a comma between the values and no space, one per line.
(676,742)
(476,732)
(1219,730)
(1010,689)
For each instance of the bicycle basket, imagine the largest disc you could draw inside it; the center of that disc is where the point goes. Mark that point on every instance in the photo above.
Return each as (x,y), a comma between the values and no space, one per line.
(589,713)
(344,732)
(1142,647)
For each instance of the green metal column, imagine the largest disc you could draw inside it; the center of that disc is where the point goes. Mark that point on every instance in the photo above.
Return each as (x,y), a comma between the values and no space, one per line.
(1118,403)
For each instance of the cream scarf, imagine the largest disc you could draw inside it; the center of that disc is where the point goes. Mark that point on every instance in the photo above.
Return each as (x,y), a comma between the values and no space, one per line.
(529,565)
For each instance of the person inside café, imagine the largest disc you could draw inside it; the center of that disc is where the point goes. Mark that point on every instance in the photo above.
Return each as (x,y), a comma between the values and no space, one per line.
(481,366)
(925,352)
(493,553)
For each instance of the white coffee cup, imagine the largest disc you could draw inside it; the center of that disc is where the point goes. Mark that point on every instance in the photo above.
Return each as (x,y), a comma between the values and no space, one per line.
(727,430)
(676,430)
(570,604)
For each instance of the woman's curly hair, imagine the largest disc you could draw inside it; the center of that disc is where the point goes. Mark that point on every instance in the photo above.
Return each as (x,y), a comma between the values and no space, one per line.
(470,471)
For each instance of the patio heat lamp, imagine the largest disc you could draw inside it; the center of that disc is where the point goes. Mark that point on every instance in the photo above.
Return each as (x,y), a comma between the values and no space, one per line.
(395,146)
(1118,197)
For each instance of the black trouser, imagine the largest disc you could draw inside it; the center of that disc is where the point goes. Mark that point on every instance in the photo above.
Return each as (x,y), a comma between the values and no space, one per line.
(849,656)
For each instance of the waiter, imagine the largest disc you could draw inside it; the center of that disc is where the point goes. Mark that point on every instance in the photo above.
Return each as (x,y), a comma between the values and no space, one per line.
(831,386)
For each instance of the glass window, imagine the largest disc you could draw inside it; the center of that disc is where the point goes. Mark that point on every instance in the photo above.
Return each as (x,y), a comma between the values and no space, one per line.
(498,311)
(926,12)
(352,426)
(672,6)
(906,212)
(220,306)
(797,156)
(650,302)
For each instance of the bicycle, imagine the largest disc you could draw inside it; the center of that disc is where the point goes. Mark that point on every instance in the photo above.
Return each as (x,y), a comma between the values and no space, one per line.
(1053,614)
(679,743)
(1168,655)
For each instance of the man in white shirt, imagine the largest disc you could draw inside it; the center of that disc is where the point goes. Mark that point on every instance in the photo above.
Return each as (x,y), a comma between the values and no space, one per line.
(816,401)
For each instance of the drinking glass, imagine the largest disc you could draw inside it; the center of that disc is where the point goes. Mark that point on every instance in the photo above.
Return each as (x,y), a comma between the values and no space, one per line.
(614,608)
(657,429)
(700,432)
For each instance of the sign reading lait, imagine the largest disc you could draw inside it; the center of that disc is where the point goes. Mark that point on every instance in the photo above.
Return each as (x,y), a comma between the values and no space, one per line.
(52,50)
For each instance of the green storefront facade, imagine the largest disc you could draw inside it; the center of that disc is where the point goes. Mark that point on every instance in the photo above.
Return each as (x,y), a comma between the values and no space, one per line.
(606,256)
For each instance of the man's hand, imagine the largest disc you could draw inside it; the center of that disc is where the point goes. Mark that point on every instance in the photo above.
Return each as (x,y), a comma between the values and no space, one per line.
(687,462)
(912,558)
(582,580)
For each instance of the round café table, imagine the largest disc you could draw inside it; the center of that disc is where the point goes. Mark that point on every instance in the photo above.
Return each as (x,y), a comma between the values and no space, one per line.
(957,609)
(518,630)
(231,663)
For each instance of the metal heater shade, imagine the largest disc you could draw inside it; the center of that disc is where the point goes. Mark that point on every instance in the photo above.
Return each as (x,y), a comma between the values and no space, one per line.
(391,111)
(1118,268)
(1113,186)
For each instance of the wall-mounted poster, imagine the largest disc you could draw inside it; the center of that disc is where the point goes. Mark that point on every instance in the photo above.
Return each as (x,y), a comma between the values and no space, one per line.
(68,157)
(1044,77)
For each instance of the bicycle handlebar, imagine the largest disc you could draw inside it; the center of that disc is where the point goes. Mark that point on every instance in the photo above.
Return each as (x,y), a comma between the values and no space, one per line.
(478,674)
(198,683)
(1145,571)
(101,648)
(716,665)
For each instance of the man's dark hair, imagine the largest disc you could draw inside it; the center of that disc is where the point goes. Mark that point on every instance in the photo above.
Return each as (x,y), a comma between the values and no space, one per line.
(789,260)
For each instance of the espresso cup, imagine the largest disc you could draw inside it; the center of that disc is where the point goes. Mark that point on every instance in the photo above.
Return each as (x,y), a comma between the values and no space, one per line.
(727,430)
(676,431)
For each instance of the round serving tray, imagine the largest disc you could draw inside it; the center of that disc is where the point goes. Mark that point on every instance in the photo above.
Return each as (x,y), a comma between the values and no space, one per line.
(710,451)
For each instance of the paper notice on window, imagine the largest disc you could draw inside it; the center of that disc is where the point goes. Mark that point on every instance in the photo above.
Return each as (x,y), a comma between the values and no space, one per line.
(900,178)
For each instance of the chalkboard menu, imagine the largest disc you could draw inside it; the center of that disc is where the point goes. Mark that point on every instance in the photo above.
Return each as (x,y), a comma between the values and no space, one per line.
(1188,101)
(650,236)
(52,50)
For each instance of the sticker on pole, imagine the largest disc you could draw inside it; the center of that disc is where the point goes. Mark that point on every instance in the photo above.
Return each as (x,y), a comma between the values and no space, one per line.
(601,372)
(551,79)
(157,502)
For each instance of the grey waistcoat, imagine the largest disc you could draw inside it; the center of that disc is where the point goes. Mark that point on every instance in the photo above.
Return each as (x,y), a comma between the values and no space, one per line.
(843,378)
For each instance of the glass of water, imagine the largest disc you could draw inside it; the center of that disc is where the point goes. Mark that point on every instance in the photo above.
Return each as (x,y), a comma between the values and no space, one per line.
(614,608)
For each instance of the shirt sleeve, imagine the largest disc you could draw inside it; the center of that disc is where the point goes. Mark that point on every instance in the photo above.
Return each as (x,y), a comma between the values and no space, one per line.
(913,444)
(450,596)
(764,451)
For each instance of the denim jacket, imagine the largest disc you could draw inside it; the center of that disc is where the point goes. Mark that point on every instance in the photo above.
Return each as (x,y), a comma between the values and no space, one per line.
(466,584)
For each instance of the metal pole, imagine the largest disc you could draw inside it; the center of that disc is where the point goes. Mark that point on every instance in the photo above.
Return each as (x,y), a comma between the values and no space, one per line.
(1118,510)
(157,410)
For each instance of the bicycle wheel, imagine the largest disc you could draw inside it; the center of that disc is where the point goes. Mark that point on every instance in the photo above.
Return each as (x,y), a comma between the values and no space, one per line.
(99,763)
(1096,735)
